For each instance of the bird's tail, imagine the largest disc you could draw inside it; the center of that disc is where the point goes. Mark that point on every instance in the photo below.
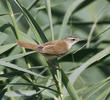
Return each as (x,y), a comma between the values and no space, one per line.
(27,45)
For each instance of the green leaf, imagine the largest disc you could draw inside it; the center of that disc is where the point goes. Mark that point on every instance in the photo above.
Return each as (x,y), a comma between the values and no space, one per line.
(10,75)
(13,66)
(33,24)
(104,94)
(67,15)
(33,3)
(4,90)
(26,38)
(13,57)
(95,58)
(96,89)
(13,19)
(3,37)
(84,4)
(6,47)
(108,1)
(12,81)
(47,2)
(2,93)
(90,88)
(3,78)
(20,93)
(69,86)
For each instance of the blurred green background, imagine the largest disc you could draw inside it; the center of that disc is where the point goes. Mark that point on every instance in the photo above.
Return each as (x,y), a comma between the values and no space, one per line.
(92,84)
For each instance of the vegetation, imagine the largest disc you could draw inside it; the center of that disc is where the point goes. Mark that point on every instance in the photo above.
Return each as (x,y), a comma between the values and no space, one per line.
(83,73)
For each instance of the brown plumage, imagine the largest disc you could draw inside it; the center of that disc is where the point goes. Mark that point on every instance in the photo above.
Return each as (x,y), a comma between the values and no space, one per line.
(52,49)
(55,47)
(27,45)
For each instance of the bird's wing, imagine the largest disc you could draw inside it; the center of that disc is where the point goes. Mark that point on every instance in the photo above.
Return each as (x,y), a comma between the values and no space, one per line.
(56,48)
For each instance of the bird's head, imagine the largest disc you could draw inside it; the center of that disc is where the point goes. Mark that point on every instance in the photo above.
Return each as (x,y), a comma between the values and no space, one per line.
(71,40)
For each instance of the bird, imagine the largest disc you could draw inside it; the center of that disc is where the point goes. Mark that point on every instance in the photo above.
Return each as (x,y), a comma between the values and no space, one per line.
(52,49)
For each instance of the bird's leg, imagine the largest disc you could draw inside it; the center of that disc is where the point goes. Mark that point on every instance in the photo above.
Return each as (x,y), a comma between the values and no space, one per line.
(54,64)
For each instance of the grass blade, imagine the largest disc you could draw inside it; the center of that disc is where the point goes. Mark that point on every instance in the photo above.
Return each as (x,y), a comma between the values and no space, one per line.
(20,93)
(28,8)
(2,93)
(6,47)
(69,87)
(67,15)
(99,15)
(95,58)
(33,24)
(48,7)
(27,38)
(83,5)
(3,37)
(6,87)
(13,19)
(13,66)
(10,58)
(104,94)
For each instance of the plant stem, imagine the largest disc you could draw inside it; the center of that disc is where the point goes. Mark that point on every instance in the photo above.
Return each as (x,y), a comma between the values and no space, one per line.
(48,7)
(59,76)
(55,71)
(19,38)
(15,26)
(71,90)
(60,83)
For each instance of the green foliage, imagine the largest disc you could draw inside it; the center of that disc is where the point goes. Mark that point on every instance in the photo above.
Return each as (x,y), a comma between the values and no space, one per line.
(25,75)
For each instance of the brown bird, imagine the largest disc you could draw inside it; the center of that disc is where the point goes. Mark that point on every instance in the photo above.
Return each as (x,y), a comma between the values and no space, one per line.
(52,49)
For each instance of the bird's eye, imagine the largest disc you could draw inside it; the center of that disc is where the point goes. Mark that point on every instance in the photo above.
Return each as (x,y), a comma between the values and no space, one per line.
(73,39)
